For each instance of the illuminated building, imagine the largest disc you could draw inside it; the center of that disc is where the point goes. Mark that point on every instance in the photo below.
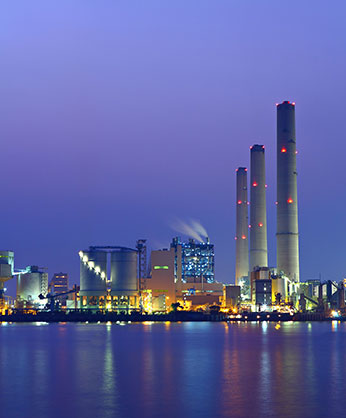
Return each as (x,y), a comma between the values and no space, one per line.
(31,282)
(6,272)
(287,203)
(193,261)
(59,284)
(261,287)
(242,243)
(183,273)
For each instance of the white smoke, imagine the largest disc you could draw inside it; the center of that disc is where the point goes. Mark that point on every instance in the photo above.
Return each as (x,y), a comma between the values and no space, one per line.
(193,229)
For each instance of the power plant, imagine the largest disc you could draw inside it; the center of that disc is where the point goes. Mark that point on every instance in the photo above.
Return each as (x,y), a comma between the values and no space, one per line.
(258,209)
(117,280)
(287,200)
(242,242)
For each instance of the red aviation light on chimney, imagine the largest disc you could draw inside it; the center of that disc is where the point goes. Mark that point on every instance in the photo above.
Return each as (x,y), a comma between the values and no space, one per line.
(260,224)
(243,237)
(254,184)
(239,202)
(283,150)
(290,200)
(245,169)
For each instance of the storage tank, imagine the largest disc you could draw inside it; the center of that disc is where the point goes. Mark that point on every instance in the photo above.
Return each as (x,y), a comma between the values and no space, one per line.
(31,283)
(93,273)
(124,272)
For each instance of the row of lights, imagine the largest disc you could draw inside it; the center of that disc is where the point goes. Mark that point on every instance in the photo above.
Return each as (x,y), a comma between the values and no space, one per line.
(91,265)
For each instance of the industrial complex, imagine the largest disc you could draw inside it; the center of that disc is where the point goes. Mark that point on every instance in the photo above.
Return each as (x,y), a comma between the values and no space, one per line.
(182,276)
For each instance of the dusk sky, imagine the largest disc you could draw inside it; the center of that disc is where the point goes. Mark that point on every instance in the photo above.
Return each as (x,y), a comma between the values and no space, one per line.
(119,116)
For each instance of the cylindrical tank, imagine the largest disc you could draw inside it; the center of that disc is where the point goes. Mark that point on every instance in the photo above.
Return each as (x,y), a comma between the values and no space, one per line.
(242,243)
(32,283)
(124,272)
(287,202)
(258,210)
(93,273)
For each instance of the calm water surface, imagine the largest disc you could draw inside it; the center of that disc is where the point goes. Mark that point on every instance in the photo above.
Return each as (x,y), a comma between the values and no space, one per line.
(173,370)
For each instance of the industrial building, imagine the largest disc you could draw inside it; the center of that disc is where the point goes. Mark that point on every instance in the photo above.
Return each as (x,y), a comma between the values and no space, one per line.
(31,283)
(287,198)
(6,273)
(183,273)
(194,261)
(231,296)
(261,287)
(59,283)
(108,278)
(241,237)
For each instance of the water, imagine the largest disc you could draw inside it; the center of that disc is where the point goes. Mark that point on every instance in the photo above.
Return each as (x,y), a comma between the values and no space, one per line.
(173,370)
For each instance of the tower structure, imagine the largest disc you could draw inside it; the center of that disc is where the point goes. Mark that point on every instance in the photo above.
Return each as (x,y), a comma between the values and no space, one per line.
(287,204)
(242,243)
(258,210)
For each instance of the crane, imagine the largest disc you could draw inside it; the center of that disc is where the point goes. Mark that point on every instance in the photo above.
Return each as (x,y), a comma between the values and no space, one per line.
(51,297)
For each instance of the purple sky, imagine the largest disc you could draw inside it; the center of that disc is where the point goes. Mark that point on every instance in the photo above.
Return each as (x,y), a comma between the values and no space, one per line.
(117,116)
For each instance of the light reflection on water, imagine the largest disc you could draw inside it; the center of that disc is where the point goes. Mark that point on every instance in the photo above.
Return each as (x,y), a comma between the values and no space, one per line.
(173,370)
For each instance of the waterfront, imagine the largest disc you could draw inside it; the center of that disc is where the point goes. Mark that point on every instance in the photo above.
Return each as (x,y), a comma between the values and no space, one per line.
(173,369)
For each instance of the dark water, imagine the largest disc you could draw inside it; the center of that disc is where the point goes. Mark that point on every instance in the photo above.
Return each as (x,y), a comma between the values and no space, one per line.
(173,370)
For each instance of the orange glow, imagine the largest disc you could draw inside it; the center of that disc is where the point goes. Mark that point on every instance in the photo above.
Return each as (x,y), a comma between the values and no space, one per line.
(260,224)
(290,200)
(243,237)
(283,150)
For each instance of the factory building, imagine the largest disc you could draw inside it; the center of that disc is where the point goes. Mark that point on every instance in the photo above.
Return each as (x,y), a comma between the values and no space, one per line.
(159,291)
(231,296)
(108,278)
(194,261)
(287,200)
(183,273)
(31,282)
(261,287)
(258,210)
(242,243)
(59,284)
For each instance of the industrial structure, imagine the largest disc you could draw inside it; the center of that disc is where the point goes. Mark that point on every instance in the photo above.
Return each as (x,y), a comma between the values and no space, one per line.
(194,261)
(59,285)
(6,272)
(108,278)
(183,273)
(31,283)
(258,210)
(242,243)
(287,200)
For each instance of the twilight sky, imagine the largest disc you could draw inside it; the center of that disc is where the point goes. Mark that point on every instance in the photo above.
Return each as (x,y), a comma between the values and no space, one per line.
(118,116)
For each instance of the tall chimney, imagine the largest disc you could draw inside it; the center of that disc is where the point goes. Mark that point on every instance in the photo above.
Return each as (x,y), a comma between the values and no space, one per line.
(242,243)
(287,204)
(258,210)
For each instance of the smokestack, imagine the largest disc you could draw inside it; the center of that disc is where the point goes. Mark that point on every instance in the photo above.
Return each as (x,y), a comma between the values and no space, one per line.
(242,243)
(258,210)
(287,204)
